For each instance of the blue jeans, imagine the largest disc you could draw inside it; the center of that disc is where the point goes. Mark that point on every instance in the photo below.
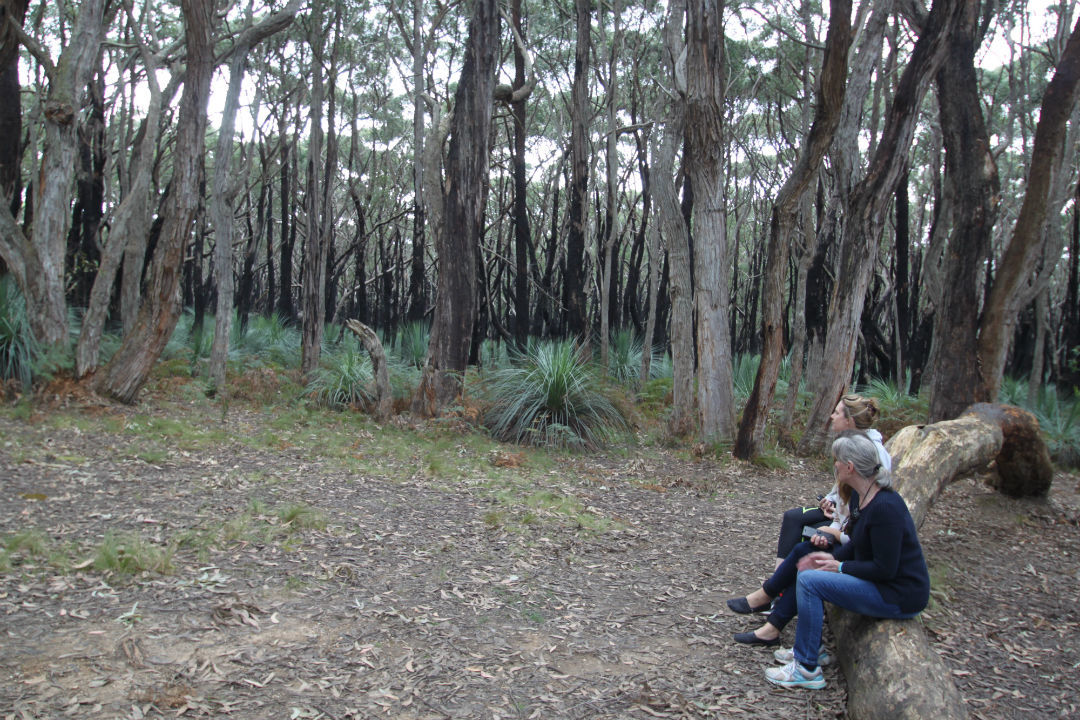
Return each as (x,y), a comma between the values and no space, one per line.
(817,586)
(781,586)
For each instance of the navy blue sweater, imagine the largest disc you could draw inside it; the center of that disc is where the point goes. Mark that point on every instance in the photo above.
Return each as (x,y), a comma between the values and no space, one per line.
(885,550)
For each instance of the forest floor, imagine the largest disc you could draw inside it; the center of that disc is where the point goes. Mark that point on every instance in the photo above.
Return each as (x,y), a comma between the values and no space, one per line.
(320,566)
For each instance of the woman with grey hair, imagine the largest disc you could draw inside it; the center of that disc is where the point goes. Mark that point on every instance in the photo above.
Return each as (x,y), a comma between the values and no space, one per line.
(880,573)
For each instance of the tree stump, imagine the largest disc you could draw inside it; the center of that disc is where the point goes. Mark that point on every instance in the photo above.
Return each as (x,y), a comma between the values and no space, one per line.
(371,343)
(892,671)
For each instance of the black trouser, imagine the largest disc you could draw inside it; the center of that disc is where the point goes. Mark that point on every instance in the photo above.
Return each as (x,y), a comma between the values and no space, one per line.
(791,529)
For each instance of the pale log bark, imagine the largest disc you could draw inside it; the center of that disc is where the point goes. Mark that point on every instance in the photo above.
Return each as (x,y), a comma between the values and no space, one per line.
(379,368)
(892,672)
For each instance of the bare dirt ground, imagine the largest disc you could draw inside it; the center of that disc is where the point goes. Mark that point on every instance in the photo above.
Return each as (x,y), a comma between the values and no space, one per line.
(414,601)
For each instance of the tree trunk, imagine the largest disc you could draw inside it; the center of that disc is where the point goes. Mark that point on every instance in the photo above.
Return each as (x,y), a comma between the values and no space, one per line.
(315,246)
(128,370)
(674,230)
(225,187)
(11,11)
(130,225)
(832,84)
(522,233)
(574,276)
(611,214)
(38,261)
(892,672)
(1017,262)
(868,212)
(971,181)
(417,279)
(383,396)
(704,162)
(464,202)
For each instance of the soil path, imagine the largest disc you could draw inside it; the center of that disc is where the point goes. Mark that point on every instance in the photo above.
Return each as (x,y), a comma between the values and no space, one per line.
(414,599)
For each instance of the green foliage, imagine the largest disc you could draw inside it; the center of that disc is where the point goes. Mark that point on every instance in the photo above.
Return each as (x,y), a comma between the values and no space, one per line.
(551,397)
(302,517)
(18,348)
(1059,418)
(743,375)
(344,379)
(266,338)
(624,356)
(897,408)
(130,554)
(412,343)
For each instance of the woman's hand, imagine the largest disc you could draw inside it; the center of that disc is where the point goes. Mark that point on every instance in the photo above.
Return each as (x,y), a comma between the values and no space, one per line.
(819,541)
(819,561)
(828,508)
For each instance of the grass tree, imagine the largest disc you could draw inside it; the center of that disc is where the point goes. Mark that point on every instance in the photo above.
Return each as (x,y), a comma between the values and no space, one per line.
(551,396)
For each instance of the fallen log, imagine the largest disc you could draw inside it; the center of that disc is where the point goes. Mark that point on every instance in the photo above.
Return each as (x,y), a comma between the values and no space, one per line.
(891,669)
(379,369)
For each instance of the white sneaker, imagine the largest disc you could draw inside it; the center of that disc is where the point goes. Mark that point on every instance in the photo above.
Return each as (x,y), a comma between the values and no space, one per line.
(786,655)
(794,675)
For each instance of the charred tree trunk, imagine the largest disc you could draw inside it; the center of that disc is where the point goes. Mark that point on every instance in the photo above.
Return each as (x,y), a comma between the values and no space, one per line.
(574,275)
(11,12)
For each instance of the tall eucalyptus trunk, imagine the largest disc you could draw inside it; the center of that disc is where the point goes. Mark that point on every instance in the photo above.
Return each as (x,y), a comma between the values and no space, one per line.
(831,89)
(466,196)
(1019,259)
(704,161)
(868,210)
(971,181)
(675,232)
(225,187)
(129,368)
(574,275)
(37,261)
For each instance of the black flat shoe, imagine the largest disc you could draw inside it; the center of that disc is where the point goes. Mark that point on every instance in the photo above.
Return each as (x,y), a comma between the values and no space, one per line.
(749,638)
(742,607)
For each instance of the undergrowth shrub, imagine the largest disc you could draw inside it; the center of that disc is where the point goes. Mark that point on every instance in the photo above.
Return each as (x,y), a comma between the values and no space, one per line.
(551,396)
(18,349)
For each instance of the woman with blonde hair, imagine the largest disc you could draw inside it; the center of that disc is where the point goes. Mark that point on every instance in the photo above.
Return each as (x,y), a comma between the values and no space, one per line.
(852,412)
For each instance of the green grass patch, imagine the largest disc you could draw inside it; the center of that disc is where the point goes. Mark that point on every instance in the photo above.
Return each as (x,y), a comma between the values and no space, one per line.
(130,554)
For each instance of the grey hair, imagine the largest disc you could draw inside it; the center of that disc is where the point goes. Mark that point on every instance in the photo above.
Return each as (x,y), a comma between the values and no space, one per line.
(856,447)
